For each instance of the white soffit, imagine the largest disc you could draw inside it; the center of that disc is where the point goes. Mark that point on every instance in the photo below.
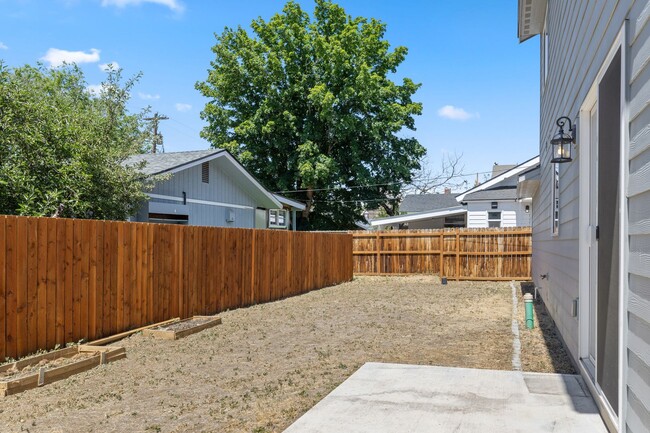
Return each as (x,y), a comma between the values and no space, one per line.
(291,203)
(530,18)
(419,216)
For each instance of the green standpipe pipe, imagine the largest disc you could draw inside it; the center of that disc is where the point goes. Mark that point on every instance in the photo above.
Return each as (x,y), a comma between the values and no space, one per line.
(528,302)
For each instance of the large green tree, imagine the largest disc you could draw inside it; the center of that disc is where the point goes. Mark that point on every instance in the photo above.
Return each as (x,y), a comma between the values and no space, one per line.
(62,147)
(308,105)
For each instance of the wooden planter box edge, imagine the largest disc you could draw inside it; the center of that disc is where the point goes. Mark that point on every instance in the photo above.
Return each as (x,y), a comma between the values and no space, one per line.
(175,335)
(45,376)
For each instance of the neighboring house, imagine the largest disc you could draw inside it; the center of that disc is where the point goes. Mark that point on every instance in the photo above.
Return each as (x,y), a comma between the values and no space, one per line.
(502,201)
(498,202)
(591,214)
(210,188)
(425,211)
(283,218)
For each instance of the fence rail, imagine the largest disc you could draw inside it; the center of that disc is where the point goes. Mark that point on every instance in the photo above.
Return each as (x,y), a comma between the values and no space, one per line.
(64,280)
(461,254)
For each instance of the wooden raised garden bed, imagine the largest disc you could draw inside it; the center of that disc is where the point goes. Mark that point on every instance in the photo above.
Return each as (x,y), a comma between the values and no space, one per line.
(52,366)
(183,328)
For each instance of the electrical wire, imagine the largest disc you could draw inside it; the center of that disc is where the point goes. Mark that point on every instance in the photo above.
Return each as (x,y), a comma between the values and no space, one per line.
(380,184)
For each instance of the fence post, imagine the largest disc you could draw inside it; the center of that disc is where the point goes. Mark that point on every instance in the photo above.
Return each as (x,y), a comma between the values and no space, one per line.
(253,267)
(378,265)
(457,255)
(441,249)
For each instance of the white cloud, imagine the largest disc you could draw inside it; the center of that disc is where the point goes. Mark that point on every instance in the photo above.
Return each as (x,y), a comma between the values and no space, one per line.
(148,96)
(183,107)
(174,5)
(3,46)
(455,113)
(107,66)
(94,89)
(56,57)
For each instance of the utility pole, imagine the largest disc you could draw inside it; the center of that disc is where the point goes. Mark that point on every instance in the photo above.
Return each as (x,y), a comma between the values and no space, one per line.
(157,138)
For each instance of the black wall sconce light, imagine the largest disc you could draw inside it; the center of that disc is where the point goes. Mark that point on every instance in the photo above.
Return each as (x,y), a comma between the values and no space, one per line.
(562,141)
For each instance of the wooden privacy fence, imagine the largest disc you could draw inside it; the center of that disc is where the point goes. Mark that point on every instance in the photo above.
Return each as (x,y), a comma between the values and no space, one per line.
(461,254)
(64,280)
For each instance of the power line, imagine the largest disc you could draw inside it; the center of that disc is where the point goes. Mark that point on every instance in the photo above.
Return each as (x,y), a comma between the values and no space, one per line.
(380,184)
(357,200)
(184,125)
(182,132)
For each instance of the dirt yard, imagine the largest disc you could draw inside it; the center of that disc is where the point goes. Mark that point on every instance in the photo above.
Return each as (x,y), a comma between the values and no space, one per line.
(266,365)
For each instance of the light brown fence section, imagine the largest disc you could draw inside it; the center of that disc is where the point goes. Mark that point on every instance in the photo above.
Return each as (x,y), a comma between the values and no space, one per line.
(64,280)
(461,254)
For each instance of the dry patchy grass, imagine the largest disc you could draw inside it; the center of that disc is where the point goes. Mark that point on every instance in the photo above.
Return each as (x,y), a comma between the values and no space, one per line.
(268,364)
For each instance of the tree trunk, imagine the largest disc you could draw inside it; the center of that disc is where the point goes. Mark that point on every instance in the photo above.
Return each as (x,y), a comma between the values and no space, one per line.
(390,210)
(309,204)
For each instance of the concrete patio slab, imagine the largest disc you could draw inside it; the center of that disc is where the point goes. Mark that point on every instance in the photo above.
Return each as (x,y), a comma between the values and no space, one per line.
(390,398)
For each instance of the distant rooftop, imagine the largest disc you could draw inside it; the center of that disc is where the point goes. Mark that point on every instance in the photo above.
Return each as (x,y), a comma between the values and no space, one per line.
(503,190)
(498,169)
(427,202)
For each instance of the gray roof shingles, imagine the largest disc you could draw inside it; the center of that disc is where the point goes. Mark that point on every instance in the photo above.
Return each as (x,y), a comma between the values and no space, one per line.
(504,190)
(495,194)
(156,163)
(427,202)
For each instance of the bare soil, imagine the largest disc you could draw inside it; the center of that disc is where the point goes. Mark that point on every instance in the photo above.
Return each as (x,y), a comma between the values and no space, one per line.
(541,347)
(266,365)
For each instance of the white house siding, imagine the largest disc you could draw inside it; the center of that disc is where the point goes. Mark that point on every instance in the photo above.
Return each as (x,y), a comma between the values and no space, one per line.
(477,214)
(638,339)
(476,219)
(525,219)
(581,32)
(508,218)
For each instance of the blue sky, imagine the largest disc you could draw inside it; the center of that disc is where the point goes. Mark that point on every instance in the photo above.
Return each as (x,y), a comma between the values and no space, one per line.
(480,87)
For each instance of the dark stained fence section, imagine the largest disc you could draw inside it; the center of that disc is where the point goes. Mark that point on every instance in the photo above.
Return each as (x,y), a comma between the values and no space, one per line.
(460,254)
(65,280)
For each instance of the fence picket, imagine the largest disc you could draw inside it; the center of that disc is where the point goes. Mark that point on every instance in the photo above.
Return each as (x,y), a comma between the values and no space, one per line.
(462,254)
(64,280)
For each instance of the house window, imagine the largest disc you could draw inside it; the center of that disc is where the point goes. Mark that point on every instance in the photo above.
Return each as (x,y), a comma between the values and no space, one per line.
(455,221)
(205,172)
(494,205)
(555,200)
(278,218)
(494,219)
(168,218)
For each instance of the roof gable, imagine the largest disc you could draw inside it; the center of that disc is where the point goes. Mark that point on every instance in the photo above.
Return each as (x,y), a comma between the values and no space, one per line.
(172,162)
(513,172)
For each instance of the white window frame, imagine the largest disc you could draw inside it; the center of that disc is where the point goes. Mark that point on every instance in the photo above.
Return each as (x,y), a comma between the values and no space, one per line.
(499,220)
(274,218)
(555,199)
